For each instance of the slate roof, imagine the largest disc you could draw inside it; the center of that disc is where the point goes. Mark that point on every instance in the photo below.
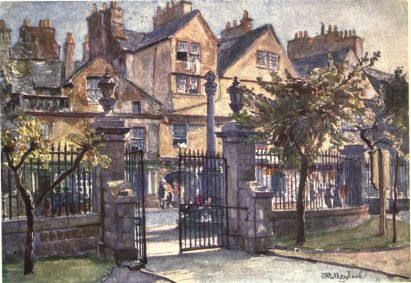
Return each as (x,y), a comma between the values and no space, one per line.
(46,74)
(24,76)
(232,49)
(305,65)
(137,41)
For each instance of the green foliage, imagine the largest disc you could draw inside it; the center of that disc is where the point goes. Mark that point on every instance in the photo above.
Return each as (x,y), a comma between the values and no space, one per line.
(93,142)
(301,115)
(23,140)
(395,97)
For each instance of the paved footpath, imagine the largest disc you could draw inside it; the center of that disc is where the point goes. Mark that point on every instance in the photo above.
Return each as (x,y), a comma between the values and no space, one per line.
(227,266)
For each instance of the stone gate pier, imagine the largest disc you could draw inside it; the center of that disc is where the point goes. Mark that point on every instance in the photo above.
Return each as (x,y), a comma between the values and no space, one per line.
(249,216)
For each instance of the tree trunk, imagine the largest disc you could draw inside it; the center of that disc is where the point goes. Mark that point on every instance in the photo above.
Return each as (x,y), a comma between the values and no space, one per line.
(300,202)
(394,204)
(381,189)
(29,207)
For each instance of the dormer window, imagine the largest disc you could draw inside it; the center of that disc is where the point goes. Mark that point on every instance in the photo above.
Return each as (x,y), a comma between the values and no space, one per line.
(182,51)
(188,51)
(267,60)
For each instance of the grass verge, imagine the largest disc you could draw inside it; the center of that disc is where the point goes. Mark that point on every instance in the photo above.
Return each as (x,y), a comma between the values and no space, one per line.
(80,269)
(364,236)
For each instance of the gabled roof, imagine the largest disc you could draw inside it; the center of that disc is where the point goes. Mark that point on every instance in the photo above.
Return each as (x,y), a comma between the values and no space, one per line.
(375,77)
(117,75)
(305,65)
(232,49)
(137,41)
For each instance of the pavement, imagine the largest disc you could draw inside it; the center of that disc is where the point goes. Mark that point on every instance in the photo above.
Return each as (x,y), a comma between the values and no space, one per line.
(165,264)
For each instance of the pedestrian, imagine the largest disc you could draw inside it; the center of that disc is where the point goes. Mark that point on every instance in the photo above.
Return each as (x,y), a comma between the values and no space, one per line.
(176,191)
(169,195)
(162,193)
(337,199)
(327,197)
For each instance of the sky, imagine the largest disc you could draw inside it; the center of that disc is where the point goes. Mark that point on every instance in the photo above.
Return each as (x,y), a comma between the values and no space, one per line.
(383,24)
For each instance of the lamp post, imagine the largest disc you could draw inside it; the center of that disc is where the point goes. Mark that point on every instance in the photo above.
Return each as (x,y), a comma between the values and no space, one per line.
(107,86)
(236,96)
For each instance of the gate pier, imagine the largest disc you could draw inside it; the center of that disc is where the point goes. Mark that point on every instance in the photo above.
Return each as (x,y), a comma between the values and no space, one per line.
(249,219)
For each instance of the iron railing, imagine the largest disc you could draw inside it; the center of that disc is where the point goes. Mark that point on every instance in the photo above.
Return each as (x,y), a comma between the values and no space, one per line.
(203,200)
(134,173)
(330,183)
(72,196)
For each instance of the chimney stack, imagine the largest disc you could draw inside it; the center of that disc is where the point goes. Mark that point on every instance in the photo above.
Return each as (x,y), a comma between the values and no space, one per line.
(234,23)
(306,34)
(345,34)
(104,7)
(69,55)
(171,12)
(94,8)
(26,22)
(296,35)
(329,29)
(113,4)
(322,28)
(86,49)
(4,43)
(335,28)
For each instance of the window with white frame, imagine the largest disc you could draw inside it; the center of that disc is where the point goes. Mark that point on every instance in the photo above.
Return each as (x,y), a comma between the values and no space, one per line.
(188,51)
(45,130)
(179,134)
(182,51)
(136,107)
(92,90)
(267,60)
(188,84)
(137,137)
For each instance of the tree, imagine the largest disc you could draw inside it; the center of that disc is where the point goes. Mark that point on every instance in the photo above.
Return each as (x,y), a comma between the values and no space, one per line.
(389,129)
(22,139)
(301,115)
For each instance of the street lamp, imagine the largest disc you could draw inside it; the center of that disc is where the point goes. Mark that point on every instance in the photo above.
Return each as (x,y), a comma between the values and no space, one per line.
(107,86)
(236,96)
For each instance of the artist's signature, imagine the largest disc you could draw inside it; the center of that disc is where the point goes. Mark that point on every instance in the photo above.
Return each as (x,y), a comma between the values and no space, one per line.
(342,277)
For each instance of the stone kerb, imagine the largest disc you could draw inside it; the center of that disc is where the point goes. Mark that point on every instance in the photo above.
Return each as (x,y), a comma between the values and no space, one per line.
(120,201)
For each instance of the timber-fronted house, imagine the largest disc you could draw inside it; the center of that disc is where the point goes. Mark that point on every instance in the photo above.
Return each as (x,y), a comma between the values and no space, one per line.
(160,75)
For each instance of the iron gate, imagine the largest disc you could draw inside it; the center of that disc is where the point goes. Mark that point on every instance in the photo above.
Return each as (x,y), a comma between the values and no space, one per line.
(134,173)
(203,215)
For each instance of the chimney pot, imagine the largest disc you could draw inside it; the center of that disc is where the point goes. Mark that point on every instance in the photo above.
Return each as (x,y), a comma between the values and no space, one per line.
(173,3)
(104,6)
(2,24)
(296,35)
(48,23)
(26,22)
(306,33)
(322,28)
(345,34)
(234,23)
(349,33)
(245,15)
(353,32)
(300,34)
(335,28)
(228,25)
(94,8)
(41,23)
(113,4)
(329,29)
(168,5)
(158,10)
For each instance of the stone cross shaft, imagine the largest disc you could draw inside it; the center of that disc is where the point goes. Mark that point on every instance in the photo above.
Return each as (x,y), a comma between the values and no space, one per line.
(210,88)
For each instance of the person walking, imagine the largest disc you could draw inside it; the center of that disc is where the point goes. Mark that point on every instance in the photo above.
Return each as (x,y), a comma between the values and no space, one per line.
(162,193)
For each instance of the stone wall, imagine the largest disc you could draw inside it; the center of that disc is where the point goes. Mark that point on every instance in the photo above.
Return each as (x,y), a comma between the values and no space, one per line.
(284,221)
(59,236)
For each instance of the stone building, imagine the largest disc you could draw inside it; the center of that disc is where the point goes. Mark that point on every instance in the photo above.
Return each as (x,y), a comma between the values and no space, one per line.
(249,54)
